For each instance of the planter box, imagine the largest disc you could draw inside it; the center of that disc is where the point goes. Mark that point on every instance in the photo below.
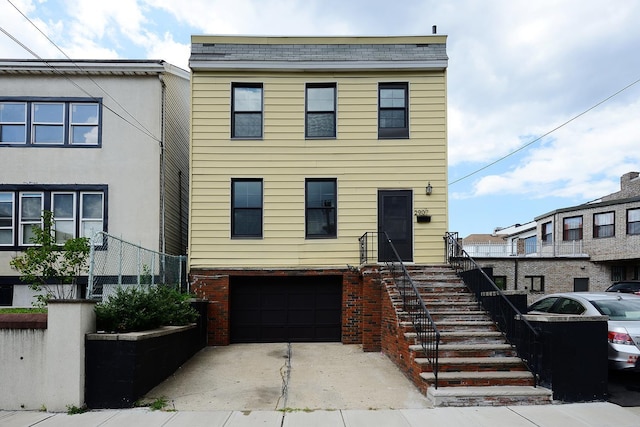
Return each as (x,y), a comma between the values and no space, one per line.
(121,368)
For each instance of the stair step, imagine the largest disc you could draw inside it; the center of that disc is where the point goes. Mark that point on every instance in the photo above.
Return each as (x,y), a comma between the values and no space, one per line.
(473,350)
(469,364)
(463,325)
(488,396)
(480,378)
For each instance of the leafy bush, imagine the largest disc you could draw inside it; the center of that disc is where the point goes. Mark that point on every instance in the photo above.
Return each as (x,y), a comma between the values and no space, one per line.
(142,308)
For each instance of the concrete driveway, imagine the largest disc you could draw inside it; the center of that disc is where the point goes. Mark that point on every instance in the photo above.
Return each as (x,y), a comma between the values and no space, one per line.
(292,377)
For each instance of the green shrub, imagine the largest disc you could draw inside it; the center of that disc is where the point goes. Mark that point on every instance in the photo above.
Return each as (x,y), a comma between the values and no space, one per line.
(142,308)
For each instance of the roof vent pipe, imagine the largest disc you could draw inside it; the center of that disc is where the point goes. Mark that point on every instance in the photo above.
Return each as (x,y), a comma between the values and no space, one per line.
(434,29)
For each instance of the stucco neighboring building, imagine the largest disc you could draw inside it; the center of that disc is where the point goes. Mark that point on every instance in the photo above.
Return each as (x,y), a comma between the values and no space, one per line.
(578,248)
(300,145)
(102,144)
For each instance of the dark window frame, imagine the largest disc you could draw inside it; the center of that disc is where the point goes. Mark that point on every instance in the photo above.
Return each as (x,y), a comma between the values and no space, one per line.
(604,230)
(547,233)
(535,283)
(237,113)
(47,192)
(500,282)
(633,227)
(331,212)
(235,209)
(67,125)
(386,132)
(566,231)
(308,112)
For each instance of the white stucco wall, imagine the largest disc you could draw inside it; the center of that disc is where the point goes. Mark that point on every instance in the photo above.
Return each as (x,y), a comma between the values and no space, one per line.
(128,161)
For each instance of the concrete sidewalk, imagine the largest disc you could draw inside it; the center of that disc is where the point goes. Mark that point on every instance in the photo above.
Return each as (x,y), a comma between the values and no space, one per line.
(600,414)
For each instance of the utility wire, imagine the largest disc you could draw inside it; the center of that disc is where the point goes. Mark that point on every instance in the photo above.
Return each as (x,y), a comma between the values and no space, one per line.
(546,134)
(139,125)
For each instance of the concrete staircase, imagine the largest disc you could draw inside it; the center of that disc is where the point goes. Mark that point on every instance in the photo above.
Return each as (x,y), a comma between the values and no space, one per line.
(477,366)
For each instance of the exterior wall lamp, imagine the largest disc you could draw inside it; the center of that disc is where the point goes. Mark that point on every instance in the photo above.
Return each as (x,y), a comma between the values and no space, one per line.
(429,189)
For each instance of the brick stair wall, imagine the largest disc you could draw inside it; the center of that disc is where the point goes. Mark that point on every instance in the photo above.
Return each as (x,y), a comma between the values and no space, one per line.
(473,353)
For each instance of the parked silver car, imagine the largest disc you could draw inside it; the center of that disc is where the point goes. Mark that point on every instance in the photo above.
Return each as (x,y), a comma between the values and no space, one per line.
(624,320)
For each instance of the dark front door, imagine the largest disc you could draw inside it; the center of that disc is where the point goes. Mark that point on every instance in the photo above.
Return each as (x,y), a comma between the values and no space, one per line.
(395,218)
(286,309)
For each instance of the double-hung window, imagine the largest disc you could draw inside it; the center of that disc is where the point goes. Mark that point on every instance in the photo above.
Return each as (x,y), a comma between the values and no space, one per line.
(547,233)
(604,224)
(246,110)
(47,125)
(246,208)
(63,206)
(572,228)
(91,214)
(320,110)
(633,221)
(7,220)
(320,208)
(31,206)
(13,122)
(50,121)
(393,110)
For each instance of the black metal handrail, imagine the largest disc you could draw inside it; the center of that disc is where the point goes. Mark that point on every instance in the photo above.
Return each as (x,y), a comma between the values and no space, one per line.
(413,305)
(518,331)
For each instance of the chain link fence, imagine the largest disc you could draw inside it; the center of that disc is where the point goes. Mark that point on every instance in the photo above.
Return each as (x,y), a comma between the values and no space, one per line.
(115,263)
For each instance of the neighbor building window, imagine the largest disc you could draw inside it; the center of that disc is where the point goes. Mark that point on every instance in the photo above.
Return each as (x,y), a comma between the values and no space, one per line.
(246,208)
(604,224)
(572,228)
(547,233)
(50,121)
(246,110)
(75,212)
(530,245)
(6,219)
(320,208)
(618,273)
(13,122)
(633,221)
(501,282)
(393,110)
(534,283)
(320,110)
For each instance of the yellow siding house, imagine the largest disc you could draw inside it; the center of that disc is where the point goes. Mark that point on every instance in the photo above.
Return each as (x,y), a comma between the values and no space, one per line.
(300,146)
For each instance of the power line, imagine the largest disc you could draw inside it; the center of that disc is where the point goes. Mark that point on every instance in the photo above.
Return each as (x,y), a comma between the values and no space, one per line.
(546,134)
(139,125)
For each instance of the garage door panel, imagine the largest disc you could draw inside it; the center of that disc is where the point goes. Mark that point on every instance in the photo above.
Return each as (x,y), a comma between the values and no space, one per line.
(289,309)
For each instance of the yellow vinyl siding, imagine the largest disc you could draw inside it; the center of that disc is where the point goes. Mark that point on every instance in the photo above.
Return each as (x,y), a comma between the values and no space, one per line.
(360,162)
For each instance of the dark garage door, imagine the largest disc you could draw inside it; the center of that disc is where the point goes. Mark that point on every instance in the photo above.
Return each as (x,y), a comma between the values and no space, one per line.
(285,309)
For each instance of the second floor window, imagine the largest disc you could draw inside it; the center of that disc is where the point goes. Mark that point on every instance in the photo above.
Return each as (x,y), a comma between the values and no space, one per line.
(320,111)
(572,228)
(604,224)
(49,122)
(246,110)
(393,110)
(246,208)
(633,221)
(547,233)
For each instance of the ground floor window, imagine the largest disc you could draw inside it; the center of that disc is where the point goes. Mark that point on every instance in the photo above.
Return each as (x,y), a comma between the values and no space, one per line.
(501,282)
(6,295)
(618,272)
(534,283)
(78,211)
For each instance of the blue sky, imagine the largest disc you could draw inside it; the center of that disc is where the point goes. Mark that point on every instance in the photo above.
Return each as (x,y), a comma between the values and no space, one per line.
(517,71)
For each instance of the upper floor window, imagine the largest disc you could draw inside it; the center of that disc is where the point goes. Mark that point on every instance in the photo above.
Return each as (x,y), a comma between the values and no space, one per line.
(320,110)
(393,110)
(50,122)
(633,221)
(320,208)
(572,228)
(547,233)
(604,224)
(530,245)
(246,110)
(246,208)
(76,213)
